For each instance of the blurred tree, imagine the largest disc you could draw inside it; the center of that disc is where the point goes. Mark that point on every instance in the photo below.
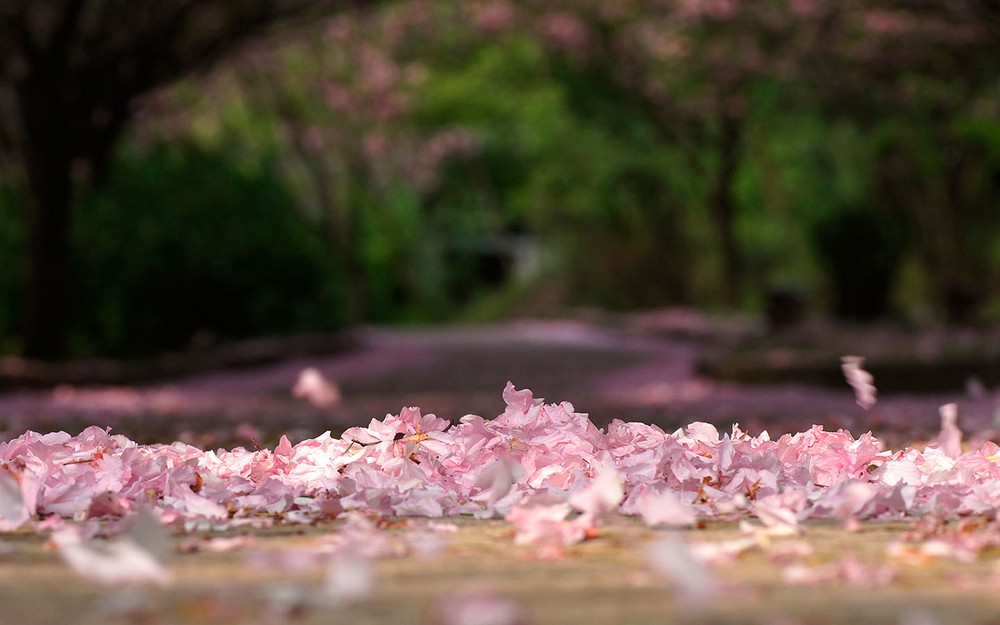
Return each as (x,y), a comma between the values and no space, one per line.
(144,280)
(691,65)
(71,72)
(921,78)
(339,97)
(336,104)
(664,151)
(685,67)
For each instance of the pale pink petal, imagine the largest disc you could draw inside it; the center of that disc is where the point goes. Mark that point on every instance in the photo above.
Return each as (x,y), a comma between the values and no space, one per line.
(673,558)
(349,577)
(497,478)
(146,529)
(13,512)
(917,616)
(218,544)
(284,448)
(541,522)
(727,551)
(480,609)
(853,497)
(664,507)
(107,504)
(316,389)
(782,512)
(520,401)
(860,380)
(112,563)
(950,438)
(601,496)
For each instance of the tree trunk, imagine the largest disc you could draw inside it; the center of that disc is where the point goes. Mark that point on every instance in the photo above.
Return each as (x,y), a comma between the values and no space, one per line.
(723,207)
(48,253)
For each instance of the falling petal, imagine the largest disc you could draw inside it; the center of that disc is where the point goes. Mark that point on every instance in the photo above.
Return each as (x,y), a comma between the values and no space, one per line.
(950,438)
(312,386)
(860,380)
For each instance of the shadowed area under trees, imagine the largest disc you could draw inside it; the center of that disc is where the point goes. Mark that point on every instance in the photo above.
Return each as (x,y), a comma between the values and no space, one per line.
(71,73)
(177,173)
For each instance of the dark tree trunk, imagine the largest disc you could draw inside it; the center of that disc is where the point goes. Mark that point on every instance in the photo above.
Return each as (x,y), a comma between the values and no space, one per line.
(48,254)
(724,208)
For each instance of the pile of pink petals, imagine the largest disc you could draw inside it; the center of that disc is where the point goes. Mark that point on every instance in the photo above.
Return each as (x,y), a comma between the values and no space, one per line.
(544,467)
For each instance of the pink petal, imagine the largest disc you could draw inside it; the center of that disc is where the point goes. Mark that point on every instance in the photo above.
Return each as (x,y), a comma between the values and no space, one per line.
(674,559)
(860,380)
(480,609)
(497,478)
(349,577)
(13,512)
(111,563)
(601,496)
(950,438)
(664,507)
(316,389)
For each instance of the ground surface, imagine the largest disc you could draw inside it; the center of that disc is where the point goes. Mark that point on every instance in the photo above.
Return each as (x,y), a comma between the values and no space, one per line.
(607,580)
(640,368)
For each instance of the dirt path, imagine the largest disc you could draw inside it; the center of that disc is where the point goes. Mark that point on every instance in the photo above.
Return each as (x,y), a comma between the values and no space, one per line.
(611,370)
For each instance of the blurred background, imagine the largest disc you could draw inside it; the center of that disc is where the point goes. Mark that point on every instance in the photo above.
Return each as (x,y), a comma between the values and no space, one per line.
(178,173)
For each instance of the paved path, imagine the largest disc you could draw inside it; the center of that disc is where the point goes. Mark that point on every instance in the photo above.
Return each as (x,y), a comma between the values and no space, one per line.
(640,370)
(610,580)
(628,370)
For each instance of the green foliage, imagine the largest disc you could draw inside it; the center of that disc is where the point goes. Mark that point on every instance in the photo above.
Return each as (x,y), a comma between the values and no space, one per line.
(184,241)
(608,197)
(321,183)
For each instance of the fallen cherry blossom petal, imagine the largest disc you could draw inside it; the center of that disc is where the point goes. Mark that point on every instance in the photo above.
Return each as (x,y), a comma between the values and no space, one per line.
(848,570)
(663,507)
(219,544)
(541,520)
(918,617)
(600,497)
(480,609)
(107,504)
(497,478)
(116,562)
(537,464)
(781,512)
(675,559)
(349,577)
(13,513)
(726,551)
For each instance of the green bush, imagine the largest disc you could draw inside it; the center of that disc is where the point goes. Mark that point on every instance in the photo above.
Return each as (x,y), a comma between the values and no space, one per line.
(183,241)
